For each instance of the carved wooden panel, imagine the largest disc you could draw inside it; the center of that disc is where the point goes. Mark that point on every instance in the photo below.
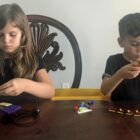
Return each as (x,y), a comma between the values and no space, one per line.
(44,40)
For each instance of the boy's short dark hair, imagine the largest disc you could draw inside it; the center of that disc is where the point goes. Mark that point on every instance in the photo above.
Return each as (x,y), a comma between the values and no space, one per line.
(129,25)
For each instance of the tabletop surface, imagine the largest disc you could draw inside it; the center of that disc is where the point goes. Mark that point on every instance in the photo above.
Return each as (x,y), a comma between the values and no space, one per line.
(58,121)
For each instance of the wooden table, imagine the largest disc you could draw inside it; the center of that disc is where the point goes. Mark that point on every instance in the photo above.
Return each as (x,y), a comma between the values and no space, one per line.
(58,121)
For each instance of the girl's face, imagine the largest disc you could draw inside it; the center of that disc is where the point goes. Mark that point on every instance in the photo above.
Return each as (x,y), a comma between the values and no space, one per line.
(10,37)
(131,48)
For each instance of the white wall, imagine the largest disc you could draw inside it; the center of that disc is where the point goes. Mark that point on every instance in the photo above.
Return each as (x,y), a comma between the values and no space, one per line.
(95,25)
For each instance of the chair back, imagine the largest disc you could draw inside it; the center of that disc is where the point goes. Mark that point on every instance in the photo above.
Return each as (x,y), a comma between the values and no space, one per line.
(43,40)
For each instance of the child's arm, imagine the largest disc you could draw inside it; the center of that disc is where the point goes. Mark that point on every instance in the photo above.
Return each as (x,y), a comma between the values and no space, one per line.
(42,87)
(109,84)
(126,72)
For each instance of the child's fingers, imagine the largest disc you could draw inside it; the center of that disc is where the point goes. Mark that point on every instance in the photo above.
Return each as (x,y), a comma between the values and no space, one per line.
(5,86)
(8,91)
(136,63)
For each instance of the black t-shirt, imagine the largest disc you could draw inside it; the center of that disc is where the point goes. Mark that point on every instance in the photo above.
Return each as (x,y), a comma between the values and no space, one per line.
(8,75)
(128,89)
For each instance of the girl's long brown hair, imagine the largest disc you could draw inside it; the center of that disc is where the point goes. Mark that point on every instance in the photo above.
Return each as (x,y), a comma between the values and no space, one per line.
(23,60)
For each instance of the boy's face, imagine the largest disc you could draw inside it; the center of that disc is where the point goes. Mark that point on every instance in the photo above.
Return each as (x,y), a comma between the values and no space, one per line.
(131,47)
(10,37)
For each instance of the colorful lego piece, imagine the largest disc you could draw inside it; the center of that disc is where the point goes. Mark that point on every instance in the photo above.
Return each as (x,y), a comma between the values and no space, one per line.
(136,112)
(129,112)
(76,107)
(84,107)
(10,109)
(125,111)
(121,111)
(90,103)
(5,104)
(112,109)
(82,110)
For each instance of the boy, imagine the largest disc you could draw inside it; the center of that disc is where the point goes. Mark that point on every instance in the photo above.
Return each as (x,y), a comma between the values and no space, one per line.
(121,80)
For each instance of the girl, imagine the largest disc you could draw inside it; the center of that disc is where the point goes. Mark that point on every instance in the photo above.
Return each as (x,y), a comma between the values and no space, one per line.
(20,69)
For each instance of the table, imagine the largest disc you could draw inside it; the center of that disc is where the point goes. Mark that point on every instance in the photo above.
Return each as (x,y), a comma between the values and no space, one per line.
(58,121)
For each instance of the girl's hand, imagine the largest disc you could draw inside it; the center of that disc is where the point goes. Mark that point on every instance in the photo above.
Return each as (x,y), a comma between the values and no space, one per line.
(129,71)
(13,87)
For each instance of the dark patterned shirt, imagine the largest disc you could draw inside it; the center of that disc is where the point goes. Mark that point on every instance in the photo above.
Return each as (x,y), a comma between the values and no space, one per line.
(128,89)
(8,75)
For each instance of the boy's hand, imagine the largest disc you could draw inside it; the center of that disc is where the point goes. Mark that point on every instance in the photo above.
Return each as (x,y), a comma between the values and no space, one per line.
(129,71)
(136,63)
(13,87)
